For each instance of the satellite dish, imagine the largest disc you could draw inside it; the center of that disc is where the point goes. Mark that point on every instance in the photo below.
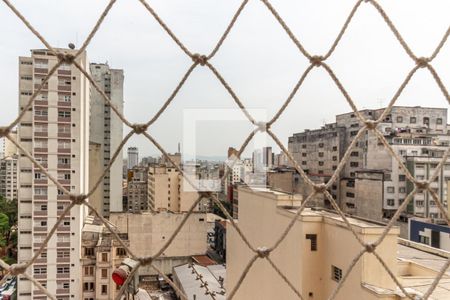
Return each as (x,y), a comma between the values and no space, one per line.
(71,46)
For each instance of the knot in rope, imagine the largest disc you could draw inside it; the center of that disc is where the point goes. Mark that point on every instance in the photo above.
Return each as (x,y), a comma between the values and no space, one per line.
(422,61)
(16,269)
(4,131)
(139,128)
(200,59)
(145,260)
(316,60)
(371,124)
(369,247)
(422,185)
(262,126)
(263,252)
(66,57)
(320,188)
(78,199)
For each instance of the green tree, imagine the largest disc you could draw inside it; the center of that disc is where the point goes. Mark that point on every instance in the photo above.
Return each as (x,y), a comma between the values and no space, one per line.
(4,230)
(8,228)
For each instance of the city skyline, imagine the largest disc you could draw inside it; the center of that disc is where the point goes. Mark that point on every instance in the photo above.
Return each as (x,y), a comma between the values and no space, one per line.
(154,65)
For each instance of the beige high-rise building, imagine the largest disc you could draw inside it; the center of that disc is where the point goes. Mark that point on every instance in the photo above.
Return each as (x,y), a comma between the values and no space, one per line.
(55,131)
(166,190)
(106,130)
(9,149)
(137,189)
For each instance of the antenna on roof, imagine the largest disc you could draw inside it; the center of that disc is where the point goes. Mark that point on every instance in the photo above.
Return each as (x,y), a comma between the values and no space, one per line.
(71,46)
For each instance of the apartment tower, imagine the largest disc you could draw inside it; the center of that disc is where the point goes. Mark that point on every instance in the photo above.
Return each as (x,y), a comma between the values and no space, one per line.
(133,157)
(106,131)
(55,131)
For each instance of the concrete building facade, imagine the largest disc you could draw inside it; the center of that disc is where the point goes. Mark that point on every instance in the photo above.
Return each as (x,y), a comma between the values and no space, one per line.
(314,255)
(106,129)
(101,254)
(137,190)
(148,232)
(133,157)
(418,135)
(55,131)
(166,190)
(8,177)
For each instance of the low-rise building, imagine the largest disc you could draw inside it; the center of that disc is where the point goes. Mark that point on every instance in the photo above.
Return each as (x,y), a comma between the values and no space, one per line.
(101,254)
(433,235)
(200,282)
(148,232)
(318,250)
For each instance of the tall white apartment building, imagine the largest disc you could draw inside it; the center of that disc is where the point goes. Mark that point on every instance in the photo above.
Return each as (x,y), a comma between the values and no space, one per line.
(56,132)
(133,157)
(106,130)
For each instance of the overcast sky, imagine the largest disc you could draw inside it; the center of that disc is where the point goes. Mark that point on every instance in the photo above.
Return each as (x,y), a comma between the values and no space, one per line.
(258,60)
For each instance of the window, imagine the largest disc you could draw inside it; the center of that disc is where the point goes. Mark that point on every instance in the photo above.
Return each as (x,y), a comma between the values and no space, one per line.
(89,271)
(303,154)
(40,270)
(334,148)
(419,203)
(390,189)
(334,158)
(439,121)
(63,238)
(353,133)
(40,191)
(63,160)
(350,195)
(40,176)
(63,128)
(412,120)
(64,98)
(41,112)
(399,119)
(104,257)
(63,270)
(320,163)
(89,251)
(354,164)
(63,144)
(121,252)
(104,273)
(320,154)
(313,238)
(62,285)
(63,176)
(390,202)
(63,254)
(64,114)
(104,289)
(426,121)
(336,273)
(424,240)
(401,177)
(88,287)
(402,190)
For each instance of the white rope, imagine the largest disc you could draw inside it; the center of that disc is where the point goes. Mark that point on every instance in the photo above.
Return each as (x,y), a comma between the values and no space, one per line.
(204,60)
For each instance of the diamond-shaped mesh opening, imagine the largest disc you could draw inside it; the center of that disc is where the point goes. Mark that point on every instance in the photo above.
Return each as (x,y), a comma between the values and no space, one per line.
(203,60)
